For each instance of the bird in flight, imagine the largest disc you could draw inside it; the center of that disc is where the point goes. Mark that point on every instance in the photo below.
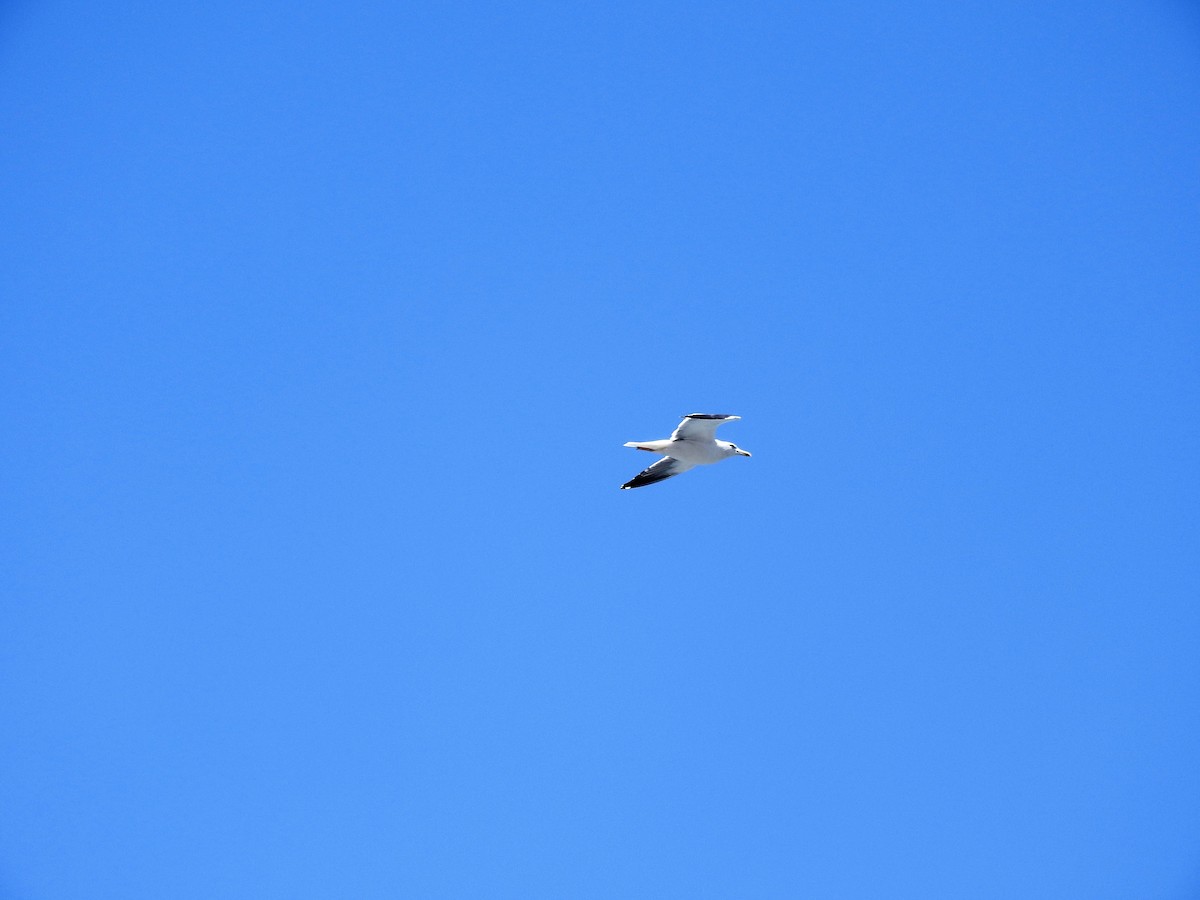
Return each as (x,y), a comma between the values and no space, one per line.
(693,443)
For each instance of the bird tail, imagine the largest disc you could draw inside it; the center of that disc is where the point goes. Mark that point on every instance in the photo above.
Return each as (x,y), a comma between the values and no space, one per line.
(649,446)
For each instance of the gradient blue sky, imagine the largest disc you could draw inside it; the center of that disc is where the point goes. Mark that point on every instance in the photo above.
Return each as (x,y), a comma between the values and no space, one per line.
(323,325)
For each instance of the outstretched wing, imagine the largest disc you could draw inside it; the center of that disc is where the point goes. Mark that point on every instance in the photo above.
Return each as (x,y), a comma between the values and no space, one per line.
(663,469)
(700,427)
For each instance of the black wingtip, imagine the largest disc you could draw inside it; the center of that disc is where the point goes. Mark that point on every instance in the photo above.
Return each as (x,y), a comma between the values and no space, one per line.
(643,479)
(708,416)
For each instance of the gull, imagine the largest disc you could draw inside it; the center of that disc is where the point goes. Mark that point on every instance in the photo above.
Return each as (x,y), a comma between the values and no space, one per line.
(692,444)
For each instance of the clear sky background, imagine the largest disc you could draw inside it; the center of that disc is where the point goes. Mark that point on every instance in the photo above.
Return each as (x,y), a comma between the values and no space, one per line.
(322,327)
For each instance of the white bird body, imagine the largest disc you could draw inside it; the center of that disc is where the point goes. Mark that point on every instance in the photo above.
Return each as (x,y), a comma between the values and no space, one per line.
(698,453)
(692,444)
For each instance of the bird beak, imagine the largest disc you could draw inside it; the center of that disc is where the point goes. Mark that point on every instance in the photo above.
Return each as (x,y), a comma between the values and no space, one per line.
(741,452)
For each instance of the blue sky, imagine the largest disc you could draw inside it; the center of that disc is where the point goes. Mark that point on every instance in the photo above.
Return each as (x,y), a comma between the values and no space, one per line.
(323,327)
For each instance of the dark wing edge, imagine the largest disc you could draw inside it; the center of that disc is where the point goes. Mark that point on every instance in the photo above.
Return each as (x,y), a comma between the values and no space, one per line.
(662,470)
